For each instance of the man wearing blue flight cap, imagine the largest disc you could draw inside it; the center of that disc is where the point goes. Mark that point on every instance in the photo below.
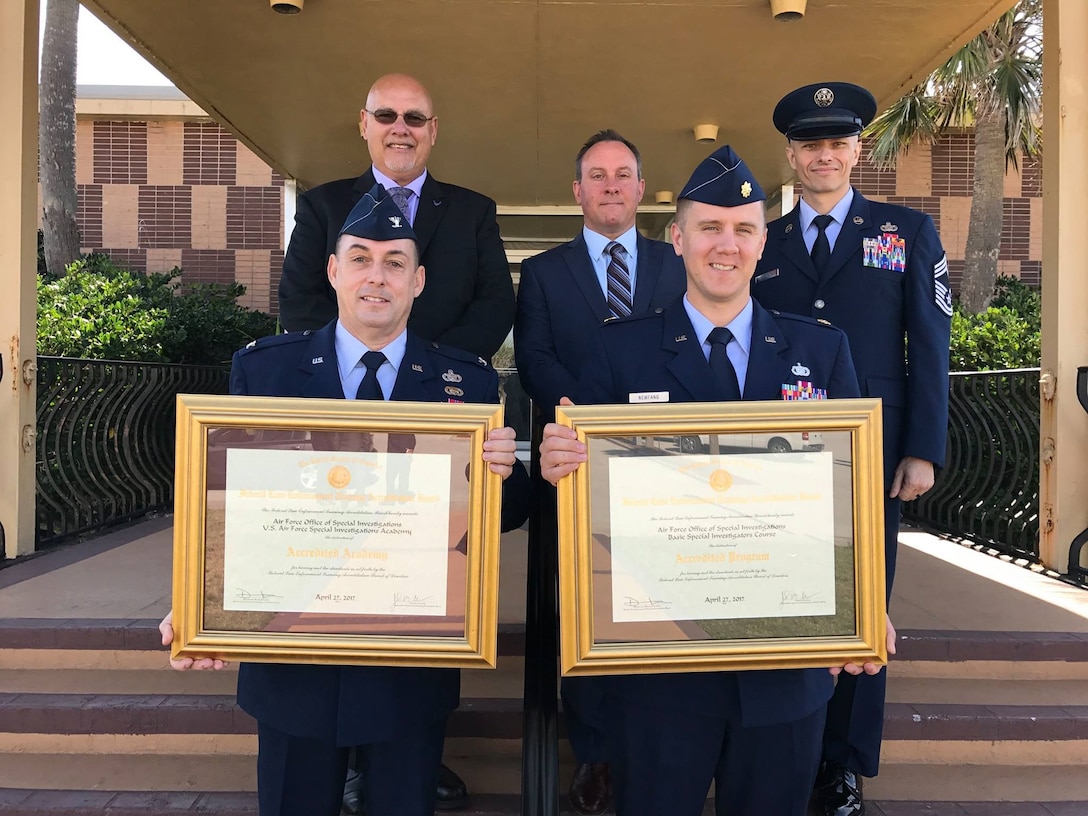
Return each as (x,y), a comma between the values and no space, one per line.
(879,273)
(755,734)
(309,716)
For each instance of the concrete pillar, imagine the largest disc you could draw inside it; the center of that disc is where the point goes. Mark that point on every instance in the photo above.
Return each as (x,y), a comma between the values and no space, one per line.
(18,262)
(1063,491)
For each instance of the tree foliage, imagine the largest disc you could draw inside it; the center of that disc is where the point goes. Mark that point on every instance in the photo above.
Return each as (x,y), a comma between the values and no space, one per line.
(1004,335)
(993,83)
(100,311)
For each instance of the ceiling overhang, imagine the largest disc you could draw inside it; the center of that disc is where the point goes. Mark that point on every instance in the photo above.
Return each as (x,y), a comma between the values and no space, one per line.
(519,85)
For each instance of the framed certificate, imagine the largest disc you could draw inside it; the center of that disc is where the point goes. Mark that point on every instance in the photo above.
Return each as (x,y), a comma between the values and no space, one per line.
(720,536)
(335,531)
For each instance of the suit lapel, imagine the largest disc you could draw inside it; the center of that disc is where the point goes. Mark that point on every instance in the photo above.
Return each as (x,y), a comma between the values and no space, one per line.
(792,244)
(414,372)
(688,364)
(585,277)
(432,207)
(319,367)
(763,380)
(857,221)
(362,185)
(646,274)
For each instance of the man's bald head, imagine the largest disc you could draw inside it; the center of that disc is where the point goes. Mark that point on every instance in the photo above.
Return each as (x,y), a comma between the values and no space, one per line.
(400,146)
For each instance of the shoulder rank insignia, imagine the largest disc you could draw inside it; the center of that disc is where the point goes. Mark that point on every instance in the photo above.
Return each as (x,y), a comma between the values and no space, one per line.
(800,370)
(823,322)
(452,376)
(454,391)
(888,226)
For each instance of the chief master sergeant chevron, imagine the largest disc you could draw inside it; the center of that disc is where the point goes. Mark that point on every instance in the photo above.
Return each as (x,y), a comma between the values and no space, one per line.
(309,716)
(755,734)
(878,272)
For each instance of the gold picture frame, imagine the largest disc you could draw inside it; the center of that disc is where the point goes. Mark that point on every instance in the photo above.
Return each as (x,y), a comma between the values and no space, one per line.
(343,531)
(722,536)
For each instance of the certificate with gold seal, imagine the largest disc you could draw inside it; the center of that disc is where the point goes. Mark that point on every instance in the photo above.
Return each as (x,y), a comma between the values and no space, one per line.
(335,531)
(705,537)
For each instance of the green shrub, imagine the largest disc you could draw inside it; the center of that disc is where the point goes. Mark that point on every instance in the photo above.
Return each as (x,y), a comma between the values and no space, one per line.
(1004,336)
(100,311)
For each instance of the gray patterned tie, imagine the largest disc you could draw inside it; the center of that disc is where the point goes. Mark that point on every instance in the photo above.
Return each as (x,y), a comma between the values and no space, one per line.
(401,196)
(618,281)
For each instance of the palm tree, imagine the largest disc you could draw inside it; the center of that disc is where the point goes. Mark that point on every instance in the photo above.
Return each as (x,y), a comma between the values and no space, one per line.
(994,82)
(57,135)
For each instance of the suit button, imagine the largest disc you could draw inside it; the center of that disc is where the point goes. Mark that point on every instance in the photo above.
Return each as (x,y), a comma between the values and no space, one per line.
(819,304)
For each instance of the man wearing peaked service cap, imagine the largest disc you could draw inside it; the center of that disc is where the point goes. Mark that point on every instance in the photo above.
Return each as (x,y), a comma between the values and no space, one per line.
(310,716)
(878,272)
(755,734)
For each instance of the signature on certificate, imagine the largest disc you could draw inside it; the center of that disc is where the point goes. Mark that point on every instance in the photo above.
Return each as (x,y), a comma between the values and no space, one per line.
(649,603)
(402,600)
(255,597)
(791,598)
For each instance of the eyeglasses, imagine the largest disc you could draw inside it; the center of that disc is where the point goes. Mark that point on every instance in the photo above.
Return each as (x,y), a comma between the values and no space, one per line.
(413,119)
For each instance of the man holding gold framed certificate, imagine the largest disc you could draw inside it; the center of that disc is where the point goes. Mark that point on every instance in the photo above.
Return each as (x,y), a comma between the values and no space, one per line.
(756,734)
(309,716)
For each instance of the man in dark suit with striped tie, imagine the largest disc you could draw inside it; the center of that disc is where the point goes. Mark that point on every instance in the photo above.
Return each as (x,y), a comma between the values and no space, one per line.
(608,270)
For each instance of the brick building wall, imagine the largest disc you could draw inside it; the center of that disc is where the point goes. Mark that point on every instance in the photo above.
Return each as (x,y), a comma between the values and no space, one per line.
(160,194)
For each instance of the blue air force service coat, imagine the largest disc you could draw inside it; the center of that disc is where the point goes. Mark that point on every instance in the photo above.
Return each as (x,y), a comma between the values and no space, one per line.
(887,287)
(659,352)
(356,705)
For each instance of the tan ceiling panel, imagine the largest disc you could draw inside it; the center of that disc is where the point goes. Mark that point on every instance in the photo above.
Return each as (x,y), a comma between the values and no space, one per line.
(518,86)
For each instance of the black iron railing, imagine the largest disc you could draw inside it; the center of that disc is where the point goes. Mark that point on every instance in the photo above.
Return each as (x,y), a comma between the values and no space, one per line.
(988,491)
(105,449)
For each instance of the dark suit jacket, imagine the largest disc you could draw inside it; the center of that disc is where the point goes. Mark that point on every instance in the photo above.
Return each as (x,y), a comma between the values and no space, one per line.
(561,306)
(468,299)
(898,322)
(357,705)
(660,352)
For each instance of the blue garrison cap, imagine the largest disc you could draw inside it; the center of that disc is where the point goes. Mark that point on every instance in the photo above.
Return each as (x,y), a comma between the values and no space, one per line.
(724,180)
(377,217)
(825,110)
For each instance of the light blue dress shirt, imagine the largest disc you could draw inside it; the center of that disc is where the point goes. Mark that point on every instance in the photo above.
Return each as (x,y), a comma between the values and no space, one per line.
(596,243)
(416,186)
(809,231)
(741,345)
(349,361)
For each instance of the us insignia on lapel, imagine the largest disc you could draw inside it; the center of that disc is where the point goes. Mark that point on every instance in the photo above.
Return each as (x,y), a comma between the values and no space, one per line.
(317,360)
(789,228)
(454,391)
(417,367)
(452,376)
(680,338)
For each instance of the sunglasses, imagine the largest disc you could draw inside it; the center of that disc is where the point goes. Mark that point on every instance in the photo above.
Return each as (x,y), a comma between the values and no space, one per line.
(413,119)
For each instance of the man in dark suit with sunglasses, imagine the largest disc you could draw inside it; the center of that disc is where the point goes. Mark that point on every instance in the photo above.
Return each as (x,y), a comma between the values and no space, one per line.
(468,302)
(469,299)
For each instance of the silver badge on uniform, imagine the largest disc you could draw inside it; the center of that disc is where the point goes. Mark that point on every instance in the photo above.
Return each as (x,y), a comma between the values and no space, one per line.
(888,226)
(800,370)
(859,220)
(454,391)
(451,376)
(824,97)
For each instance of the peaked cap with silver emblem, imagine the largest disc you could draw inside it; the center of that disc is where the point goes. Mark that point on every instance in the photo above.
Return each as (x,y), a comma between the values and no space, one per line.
(825,110)
(724,180)
(377,217)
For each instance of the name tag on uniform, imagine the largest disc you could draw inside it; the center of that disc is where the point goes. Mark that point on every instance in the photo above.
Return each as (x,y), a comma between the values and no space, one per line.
(648,396)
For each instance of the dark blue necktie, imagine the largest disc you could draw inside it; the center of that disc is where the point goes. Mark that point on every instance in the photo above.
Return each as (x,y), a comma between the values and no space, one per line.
(618,281)
(725,376)
(821,249)
(369,388)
